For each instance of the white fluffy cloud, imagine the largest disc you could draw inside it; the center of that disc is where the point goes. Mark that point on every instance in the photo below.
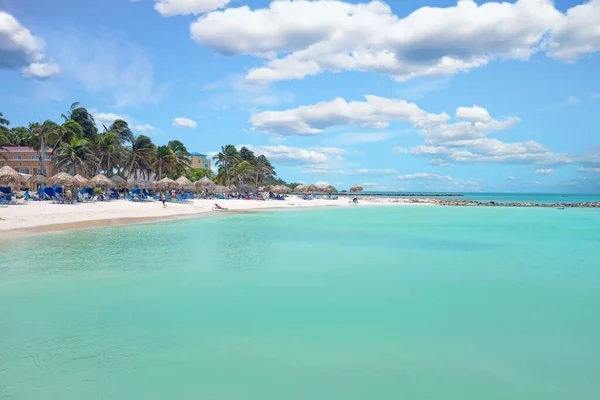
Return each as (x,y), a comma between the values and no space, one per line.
(144,128)
(354,138)
(424,176)
(544,171)
(40,70)
(181,122)
(301,38)
(367,172)
(107,118)
(464,140)
(512,178)
(375,112)
(170,8)
(577,33)
(19,48)
(292,155)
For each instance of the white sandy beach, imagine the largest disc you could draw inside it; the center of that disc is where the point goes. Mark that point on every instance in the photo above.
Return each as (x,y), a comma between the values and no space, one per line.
(36,216)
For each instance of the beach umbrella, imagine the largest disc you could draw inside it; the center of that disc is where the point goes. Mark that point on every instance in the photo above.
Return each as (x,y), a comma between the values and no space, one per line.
(185,182)
(166,184)
(221,189)
(10,177)
(299,189)
(38,180)
(141,184)
(119,182)
(204,183)
(83,182)
(329,189)
(281,189)
(356,188)
(101,181)
(63,179)
(313,189)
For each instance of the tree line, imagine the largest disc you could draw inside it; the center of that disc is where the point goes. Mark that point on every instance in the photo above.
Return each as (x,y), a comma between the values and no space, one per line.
(77,144)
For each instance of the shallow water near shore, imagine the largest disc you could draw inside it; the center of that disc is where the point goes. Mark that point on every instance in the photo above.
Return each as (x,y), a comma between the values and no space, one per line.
(356,303)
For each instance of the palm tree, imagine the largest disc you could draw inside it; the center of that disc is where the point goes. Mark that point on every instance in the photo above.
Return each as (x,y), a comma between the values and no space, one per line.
(164,158)
(4,132)
(122,129)
(140,155)
(64,133)
(108,145)
(37,139)
(227,158)
(263,170)
(242,170)
(74,154)
(181,157)
(85,119)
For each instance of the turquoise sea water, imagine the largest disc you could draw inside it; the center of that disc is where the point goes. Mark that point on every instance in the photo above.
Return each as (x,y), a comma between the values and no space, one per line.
(538,198)
(360,303)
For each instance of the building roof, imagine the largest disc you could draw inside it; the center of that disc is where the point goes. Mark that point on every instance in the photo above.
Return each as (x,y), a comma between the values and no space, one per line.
(22,149)
(198,154)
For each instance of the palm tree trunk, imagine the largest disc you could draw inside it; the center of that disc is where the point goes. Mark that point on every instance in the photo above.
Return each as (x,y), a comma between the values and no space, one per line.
(43,157)
(159,171)
(99,165)
(131,166)
(108,171)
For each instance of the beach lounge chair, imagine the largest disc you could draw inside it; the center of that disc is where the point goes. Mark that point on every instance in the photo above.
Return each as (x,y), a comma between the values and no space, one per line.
(183,201)
(354,200)
(132,198)
(219,208)
(3,201)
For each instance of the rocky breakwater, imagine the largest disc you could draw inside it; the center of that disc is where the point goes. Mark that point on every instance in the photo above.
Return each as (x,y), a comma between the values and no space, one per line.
(470,203)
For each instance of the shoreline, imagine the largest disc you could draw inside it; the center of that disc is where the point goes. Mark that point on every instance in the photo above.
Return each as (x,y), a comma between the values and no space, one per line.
(41,217)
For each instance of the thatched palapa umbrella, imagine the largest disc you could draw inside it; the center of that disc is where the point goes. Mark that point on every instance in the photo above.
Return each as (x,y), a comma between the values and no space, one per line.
(185,182)
(220,189)
(83,182)
(63,179)
(119,182)
(10,177)
(329,189)
(356,188)
(38,180)
(313,189)
(300,189)
(101,181)
(205,183)
(141,184)
(281,189)
(166,184)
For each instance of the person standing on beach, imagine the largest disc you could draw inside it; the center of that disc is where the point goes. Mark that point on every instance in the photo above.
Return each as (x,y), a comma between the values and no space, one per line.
(163,198)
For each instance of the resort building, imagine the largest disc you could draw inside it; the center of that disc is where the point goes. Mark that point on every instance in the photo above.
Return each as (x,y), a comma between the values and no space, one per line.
(26,160)
(200,161)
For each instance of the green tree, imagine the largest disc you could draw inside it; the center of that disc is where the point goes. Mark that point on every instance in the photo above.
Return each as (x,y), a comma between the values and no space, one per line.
(227,158)
(74,154)
(195,174)
(109,146)
(65,133)
(85,119)
(181,158)
(38,134)
(140,155)
(242,171)
(163,160)
(4,132)
(263,170)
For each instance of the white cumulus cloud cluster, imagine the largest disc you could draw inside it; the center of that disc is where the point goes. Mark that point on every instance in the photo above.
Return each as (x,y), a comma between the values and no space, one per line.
(544,171)
(302,38)
(170,8)
(181,122)
(463,139)
(19,48)
(294,155)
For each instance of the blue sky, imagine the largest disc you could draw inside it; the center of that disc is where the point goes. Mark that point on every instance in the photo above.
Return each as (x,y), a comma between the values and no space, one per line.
(408,95)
